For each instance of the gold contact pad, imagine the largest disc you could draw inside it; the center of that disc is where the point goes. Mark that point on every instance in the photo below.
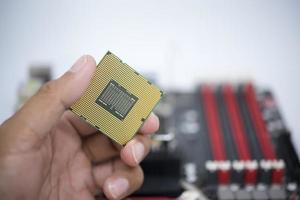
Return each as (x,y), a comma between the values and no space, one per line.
(112,68)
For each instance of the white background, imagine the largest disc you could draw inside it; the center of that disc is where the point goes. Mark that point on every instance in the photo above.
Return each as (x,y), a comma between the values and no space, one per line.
(179,42)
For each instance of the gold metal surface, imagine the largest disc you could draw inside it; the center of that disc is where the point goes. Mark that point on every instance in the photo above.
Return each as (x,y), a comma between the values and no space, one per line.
(112,68)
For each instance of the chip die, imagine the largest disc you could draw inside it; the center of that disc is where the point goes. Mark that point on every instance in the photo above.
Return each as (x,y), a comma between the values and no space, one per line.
(118,99)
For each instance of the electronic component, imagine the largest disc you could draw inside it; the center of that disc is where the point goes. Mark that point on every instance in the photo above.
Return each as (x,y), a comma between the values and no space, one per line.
(118,99)
(231,142)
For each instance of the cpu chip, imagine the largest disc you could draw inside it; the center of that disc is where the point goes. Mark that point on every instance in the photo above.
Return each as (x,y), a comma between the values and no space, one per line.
(118,99)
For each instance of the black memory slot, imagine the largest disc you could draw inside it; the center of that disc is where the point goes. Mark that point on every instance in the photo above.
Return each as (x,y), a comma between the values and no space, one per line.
(250,132)
(212,178)
(264,176)
(231,150)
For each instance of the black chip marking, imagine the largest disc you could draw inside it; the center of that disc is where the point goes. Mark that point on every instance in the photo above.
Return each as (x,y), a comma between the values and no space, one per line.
(116,100)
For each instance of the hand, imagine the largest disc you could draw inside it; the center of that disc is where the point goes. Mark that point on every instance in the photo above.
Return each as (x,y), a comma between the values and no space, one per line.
(46,152)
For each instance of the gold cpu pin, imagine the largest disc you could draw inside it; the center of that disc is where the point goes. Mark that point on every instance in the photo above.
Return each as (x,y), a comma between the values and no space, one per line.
(118,99)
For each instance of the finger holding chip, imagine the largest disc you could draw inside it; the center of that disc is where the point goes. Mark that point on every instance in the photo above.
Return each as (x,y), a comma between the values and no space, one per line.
(44,136)
(99,147)
(136,150)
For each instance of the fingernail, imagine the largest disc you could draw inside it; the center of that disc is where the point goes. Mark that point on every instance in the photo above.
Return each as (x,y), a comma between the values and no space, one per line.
(79,64)
(118,187)
(138,151)
(155,118)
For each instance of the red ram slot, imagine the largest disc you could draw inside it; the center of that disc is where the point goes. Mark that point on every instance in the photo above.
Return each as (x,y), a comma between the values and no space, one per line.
(261,131)
(238,131)
(215,134)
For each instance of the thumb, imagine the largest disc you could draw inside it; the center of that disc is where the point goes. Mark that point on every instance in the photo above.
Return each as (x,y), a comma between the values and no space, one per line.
(45,108)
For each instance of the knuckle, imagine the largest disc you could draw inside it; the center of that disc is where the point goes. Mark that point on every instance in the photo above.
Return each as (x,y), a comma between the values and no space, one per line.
(48,88)
(51,92)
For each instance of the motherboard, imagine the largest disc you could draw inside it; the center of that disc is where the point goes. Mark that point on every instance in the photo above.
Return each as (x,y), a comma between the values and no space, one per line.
(221,141)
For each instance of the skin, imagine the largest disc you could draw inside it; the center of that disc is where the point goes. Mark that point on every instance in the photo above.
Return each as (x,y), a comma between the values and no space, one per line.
(46,152)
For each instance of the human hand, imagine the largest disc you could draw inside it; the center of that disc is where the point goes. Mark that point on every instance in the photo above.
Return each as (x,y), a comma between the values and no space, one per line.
(46,152)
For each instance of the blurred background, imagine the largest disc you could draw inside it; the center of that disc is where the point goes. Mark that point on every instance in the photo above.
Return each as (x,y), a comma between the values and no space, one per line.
(177,43)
